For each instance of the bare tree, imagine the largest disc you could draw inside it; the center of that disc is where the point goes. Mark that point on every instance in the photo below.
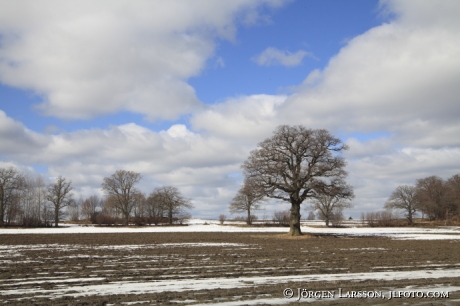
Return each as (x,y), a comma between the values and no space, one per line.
(336,218)
(247,199)
(296,163)
(11,182)
(59,195)
(331,202)
(40,197)
(30,214)
(155,209)
(432,195)
(281,217)
(173,203)
(140,209)
(311,215)
(74,210)
(222,218)
(404,197)
(120,185)
(90,207)
(453,185)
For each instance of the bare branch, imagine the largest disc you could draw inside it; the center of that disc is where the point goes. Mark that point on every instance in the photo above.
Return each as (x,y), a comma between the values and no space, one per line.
(296,163)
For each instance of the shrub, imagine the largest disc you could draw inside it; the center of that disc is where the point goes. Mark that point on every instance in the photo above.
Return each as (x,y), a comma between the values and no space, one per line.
(222,219)
(282,217)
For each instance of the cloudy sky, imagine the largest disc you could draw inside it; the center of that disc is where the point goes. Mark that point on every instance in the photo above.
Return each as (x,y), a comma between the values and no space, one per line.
(182,91)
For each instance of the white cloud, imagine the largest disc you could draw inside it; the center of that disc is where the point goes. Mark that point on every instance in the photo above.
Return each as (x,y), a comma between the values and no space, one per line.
(272,56)
(199,165)
(99,57)
(247,119)
(18,141)
(400,78)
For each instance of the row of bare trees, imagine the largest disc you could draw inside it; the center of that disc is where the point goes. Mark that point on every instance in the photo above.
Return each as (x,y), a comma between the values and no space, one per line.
(28,201)
(432,196)
(163,203)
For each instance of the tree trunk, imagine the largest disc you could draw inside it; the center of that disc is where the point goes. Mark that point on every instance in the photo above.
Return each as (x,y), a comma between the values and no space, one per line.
(295,220)
(249,217)
(127,220)
(2,211)
(56,217)
(327,222)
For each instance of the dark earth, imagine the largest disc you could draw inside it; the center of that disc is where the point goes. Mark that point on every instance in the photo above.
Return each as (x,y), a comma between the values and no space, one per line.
(168,268)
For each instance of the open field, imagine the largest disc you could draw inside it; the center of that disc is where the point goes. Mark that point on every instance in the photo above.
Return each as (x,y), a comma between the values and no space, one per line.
(223,268)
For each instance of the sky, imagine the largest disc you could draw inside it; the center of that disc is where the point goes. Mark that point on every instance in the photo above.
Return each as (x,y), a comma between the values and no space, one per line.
(182,91)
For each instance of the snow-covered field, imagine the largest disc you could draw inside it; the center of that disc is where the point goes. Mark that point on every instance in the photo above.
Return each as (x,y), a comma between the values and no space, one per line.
(206,263)
(308,227)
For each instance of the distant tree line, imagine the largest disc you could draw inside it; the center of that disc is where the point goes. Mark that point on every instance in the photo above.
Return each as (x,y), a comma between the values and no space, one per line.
(433,197)
(28,201)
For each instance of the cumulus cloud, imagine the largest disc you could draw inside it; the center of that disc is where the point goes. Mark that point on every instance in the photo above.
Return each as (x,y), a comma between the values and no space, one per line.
(91,58)
(245,118)
(17,140)
(199,165)
(272,56)
(399,79)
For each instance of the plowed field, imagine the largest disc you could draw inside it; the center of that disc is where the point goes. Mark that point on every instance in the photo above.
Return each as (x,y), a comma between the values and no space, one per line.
(223,269)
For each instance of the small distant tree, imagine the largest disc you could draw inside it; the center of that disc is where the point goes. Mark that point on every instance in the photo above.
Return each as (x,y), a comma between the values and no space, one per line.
(247,200)
(173,203)
(404,197)
(74,210)
(90,207)
(59,196)
(330,202)
(222,218)
(337,218)
(121,185)
(311,215)
(281,217)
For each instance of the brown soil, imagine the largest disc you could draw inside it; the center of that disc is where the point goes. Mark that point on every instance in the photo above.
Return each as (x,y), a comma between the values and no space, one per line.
(42,265)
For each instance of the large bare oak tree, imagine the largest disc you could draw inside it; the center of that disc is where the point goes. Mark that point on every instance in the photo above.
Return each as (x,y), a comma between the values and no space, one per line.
(59,195)
(296,163)
(121,186)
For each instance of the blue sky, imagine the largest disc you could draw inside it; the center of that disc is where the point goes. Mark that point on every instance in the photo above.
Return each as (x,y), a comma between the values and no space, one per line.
(181,91)
(318,27)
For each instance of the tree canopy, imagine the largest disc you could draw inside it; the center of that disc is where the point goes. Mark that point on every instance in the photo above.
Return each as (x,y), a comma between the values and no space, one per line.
(59,195)
(121,185)
(404,197)
(297,163)
(247,199)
